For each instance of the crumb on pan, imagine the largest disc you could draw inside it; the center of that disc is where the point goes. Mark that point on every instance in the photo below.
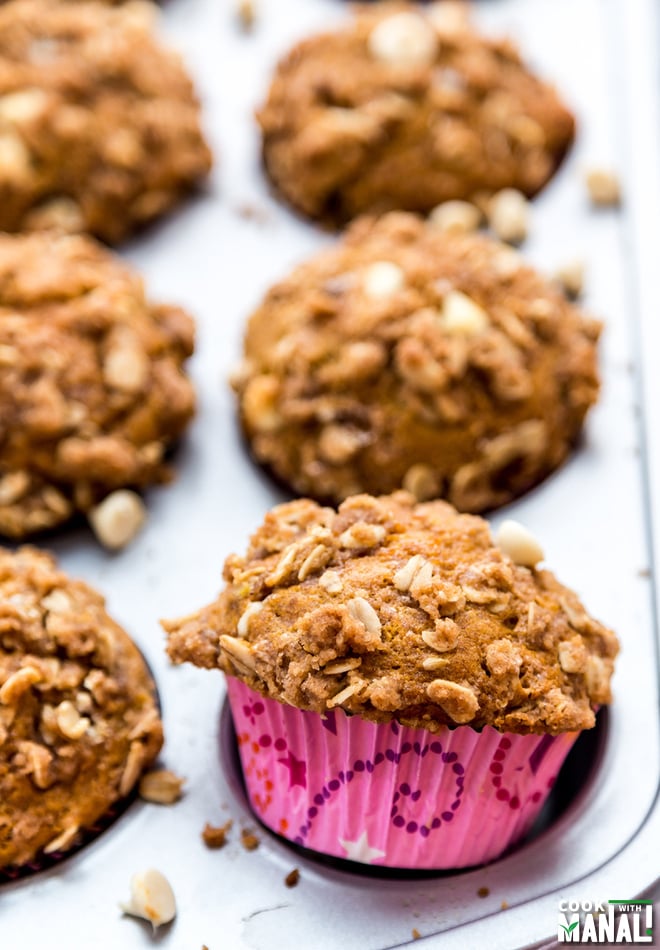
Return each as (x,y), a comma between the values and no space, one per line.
(215,836)
(249,840)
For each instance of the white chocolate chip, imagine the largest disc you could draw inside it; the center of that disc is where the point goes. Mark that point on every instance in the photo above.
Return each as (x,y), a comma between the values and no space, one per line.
(250,611)
(508,215)
(23,105)
(519,544)
(382,279)
(403,39)
(118,518)
(14,158)
(570,276)
(604,187)
(126,365)
(461,316)
(161,787)
(455,217)
(152,898)
(449,16)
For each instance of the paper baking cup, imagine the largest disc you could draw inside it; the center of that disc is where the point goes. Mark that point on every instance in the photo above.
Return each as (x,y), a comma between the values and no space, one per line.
(386,794)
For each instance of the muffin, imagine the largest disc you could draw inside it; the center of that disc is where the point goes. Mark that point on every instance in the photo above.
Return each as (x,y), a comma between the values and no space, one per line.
(92,387)
(407,357)
(99,124)
(79,719)
(404,690)
(405,108)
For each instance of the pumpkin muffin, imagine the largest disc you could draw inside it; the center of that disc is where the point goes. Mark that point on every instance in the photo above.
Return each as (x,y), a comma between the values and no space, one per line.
(79,719)
(99,123)
(405,356)
(460,649)
(404,108)
(92,387)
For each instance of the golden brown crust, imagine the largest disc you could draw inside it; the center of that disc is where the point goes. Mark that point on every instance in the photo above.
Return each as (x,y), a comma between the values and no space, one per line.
(99,124)
(400,611)
(346,131)
(78,714)
(92,390)
(466,375)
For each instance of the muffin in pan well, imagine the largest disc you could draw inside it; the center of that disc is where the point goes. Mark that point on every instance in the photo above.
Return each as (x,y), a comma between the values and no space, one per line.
(406,107)
(92,384)
(79,719)
(99,123)
(404,691)
(407,357)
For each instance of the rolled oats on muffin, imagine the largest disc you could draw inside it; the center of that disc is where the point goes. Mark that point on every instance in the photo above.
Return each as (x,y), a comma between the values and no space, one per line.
(99,123)
(79,719)
(403,691)
(408,357)
(404,108)
(92,386)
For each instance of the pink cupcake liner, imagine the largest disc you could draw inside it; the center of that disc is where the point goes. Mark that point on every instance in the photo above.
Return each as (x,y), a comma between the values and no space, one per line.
(386,794)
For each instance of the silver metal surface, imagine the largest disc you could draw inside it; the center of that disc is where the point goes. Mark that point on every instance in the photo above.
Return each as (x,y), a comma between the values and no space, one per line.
(598,518)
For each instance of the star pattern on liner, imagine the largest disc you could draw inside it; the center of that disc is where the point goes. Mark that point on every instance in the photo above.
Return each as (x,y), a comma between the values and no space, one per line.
(297,770)
(360,850)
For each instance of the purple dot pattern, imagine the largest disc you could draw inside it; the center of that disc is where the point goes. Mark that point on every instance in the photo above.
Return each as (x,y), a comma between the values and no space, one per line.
(402,789)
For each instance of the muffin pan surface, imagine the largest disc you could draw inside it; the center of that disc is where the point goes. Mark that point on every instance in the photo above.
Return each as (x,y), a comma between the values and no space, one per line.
(594,517)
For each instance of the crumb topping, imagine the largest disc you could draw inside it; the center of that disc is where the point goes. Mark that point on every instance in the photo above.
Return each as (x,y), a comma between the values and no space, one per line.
(431,625)
(78,715)
(92,388)
(470,379)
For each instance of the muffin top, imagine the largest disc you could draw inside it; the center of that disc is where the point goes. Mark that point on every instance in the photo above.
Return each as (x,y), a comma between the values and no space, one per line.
(407,357)
(99,124)
(395,610)
(78,714)
(406,107)
(92,389)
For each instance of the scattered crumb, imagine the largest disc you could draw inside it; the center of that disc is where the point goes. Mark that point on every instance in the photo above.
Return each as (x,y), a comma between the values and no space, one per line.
(161,787)
(292,878)
(570,277)
(246,12)
(215,836)
(504,905)
(604,187)
(249,840)
(416,934)
(483,892)
(252,212)
(644,572)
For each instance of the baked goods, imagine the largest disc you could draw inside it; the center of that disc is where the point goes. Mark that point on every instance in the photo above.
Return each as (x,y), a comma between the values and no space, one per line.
(404,108)
(404,356)
(79,719)
(409,616)
(99,124)
(92,388)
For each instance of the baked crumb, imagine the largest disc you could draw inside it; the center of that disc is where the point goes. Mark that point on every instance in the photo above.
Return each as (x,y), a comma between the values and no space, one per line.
(483,892)
(504,905)
(249,840)
(215,836)
(416,935)
(292,878)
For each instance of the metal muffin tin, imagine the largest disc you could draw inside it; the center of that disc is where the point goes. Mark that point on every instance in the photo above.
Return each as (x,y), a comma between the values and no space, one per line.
(598,518)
